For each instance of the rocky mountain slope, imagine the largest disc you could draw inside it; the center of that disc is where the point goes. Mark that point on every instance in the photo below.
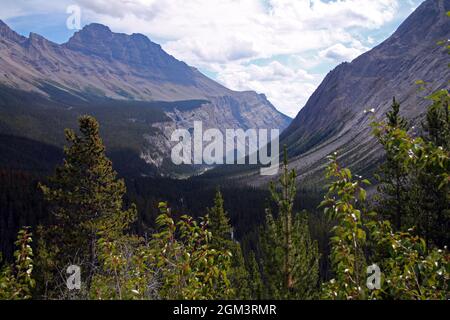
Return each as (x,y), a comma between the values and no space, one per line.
(126,80)
(334,118)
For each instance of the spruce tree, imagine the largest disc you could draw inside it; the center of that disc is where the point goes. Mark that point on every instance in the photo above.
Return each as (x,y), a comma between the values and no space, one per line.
(290,257)
(412,194)
(394,118)
(437,124)
(86,200)
(431,212)
(221,230)
(219,223)
(254,276)
(393,176)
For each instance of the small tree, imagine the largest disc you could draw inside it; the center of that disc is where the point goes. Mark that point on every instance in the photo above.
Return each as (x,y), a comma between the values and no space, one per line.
(125,271)
(16,282)
(289,255)
(184,262)
(394,118)
(394,174)
(254,275)
(220,228)
(409,269)
(347,244)
(437,124)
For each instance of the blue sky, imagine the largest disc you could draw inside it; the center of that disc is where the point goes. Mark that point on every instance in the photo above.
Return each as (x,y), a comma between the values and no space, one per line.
(282,48)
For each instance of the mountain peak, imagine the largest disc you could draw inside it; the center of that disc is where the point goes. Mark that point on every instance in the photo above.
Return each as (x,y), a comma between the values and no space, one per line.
(8,33)
(92,36)
(36,37)
(37,41)
(428,22)
(93,31)
(96,28)
(135,50)
(98,39)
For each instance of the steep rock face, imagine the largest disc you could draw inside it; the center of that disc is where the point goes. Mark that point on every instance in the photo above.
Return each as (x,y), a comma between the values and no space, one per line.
(243,110)
(334,118)
(97,64)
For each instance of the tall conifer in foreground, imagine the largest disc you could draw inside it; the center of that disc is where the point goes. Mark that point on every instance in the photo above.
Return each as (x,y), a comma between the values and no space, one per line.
(290,257)
(86,197)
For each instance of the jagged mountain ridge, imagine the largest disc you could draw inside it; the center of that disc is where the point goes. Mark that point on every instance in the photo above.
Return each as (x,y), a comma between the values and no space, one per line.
(99,61)
(97,66)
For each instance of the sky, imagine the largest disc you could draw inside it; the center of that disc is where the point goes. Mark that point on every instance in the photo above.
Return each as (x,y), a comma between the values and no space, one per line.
(282,48)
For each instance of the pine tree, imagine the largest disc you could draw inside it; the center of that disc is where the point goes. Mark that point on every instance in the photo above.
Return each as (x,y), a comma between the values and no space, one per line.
(437,124)
(289,256)
(254,276)
(431,208)
(86,199)
(393,178)
(394,118)
(219,223)
(219,226)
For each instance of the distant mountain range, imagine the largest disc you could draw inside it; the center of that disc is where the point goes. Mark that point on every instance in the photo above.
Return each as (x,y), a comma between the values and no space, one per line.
(334,118)
(138,92)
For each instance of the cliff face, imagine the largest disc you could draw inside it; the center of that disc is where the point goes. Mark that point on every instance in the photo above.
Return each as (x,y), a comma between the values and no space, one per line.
(99,65)
(334,118)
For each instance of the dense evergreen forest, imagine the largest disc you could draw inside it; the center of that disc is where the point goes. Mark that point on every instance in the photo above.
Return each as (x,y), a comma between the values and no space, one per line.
(23,205)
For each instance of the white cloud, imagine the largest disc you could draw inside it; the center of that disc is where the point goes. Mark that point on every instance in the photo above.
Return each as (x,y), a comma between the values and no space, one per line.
(218,30)
(17,8)
(286,88)
(339,52)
